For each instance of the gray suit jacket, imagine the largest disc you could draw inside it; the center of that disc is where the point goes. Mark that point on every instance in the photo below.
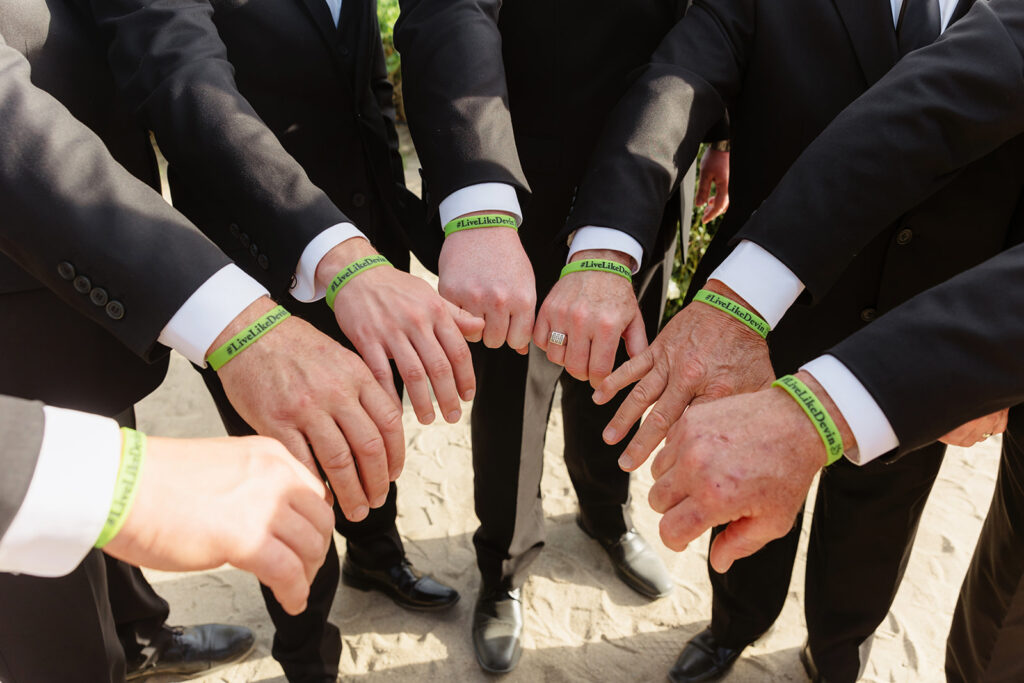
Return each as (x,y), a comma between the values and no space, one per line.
(21,433)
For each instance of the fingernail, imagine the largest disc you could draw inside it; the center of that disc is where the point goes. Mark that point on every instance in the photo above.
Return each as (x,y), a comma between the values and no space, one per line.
(468,396)
(396,474)
(609,435)
(428,418)
(597,396)
(625,462)
(379,500)
(360,513)
(454,416)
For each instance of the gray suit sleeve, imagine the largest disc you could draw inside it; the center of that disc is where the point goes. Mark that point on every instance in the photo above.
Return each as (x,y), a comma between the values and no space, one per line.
(64,199)
(21,433)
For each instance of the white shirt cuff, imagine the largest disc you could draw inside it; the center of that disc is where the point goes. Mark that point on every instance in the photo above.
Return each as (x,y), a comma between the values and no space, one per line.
(594,237)
(305,289)
(480,197)
(768,286)
(208,311)
(68,498)
(868,423)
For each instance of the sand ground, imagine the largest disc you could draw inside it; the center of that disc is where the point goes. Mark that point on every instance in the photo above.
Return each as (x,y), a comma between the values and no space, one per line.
(582,624)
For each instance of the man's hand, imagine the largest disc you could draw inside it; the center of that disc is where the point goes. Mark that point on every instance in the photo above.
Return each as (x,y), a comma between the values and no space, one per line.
(387,313)
(486,272)
(301,387)
(978,429)
(702,354)
(746,461)
(714,168)
(594,310)
(202,503)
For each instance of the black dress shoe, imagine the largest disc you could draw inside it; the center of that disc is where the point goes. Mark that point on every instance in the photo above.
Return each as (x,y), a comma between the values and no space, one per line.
(635,562)
(703,659)
(402,583)
(809,666)
(192,650)
(498,629)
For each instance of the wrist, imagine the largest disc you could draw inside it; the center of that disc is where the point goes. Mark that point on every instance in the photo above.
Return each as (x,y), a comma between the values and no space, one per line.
(253,311)
(722,289)
(808,417)
(340,257)
(603,255)
(849,440)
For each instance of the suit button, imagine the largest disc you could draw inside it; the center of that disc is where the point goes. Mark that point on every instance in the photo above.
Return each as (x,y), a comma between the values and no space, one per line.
(359,200)
(115,310)
(263,261)
(254,250)
(245,239)
(343,51)
(904,236)
(233,229)
(66,270)
(98,296)
(82,284)
(868,314)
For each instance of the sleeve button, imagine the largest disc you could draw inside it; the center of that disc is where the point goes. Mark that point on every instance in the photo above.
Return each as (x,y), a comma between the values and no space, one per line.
(263,261)
(115,310)
(868,314)
(82,284)
(98,296)
(66,270)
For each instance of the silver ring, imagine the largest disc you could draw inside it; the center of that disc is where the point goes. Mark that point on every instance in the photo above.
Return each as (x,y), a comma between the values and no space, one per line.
(557,338)
(986,435)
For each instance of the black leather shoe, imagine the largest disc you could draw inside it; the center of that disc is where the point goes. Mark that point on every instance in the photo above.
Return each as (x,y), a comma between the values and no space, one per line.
(402,583)
(703,659)
(192,650)
(635,562)
(809,666)
(498,629)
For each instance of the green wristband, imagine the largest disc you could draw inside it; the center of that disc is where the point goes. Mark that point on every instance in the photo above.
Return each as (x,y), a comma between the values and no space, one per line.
(823,422)
(353,269)
(133,452)
(594,264)
(741,313)
(246,337)
(484,220)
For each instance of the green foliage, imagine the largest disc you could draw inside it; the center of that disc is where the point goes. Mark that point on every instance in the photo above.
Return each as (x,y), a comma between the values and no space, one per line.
(685,265)
(387,15)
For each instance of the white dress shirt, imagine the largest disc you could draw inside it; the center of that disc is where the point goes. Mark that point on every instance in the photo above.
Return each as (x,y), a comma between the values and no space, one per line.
(771,288)
(69,497)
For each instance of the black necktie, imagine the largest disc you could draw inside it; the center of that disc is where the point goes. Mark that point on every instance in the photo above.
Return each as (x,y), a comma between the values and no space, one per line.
(919,24)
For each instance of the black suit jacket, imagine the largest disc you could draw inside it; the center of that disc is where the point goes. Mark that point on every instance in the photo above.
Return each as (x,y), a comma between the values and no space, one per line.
(276,124)
(96,262)
(782,70)
(517,91)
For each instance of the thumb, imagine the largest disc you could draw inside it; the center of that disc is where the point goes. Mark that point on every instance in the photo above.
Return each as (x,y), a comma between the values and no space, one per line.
(471,327)
(635,336)
(739,539)
(703,189)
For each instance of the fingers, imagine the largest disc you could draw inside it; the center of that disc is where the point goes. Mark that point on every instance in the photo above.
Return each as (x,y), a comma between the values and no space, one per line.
(718,204)
(457,351)
(577,353)
(629,372)
(655,426)
(335,457)
(281,570)
(376,358)
(496,329)
(439,370)
(602,357)
(740,539)
(471,326)
(520,327)
(682,524)
(367,447)
(415,376)
(296,444)
(1002,417)
(388,419)
(303,538)
(635,336)
(703,188)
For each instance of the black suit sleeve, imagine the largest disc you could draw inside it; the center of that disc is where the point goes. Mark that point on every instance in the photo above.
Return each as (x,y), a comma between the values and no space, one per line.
(947,356)
(456,98)
(21,433)
(173,69)
(64,200)
(653,134)
(936,111)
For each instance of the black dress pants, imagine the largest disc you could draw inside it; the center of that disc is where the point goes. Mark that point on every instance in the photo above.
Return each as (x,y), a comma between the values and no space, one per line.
(865,522)
(307,645)
(510,416)
(986,641)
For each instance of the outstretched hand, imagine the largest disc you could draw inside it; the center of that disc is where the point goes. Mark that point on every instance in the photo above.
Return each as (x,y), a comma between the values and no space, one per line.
(703,354)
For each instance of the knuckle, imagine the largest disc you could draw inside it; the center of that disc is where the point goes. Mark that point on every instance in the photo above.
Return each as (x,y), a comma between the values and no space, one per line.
(438,367)
(372,446)
(415,374)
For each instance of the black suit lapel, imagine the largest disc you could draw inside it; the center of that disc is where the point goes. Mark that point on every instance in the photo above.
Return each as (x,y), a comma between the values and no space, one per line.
(870,26)
(321,16)
(960,11)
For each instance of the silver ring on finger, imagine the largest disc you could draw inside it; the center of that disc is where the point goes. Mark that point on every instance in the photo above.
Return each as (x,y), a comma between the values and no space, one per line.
(557,338)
